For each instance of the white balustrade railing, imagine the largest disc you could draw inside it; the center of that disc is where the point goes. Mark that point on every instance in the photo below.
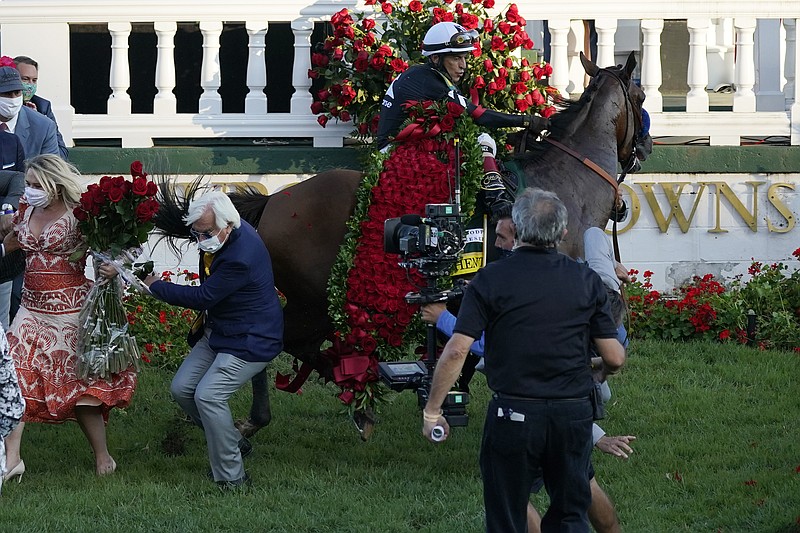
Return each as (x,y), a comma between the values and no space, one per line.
(761,35)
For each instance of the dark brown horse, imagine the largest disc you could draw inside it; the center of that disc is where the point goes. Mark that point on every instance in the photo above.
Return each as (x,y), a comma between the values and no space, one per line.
(304,225)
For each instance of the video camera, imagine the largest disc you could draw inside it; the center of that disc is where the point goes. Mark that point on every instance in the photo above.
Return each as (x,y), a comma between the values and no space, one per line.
(431,243)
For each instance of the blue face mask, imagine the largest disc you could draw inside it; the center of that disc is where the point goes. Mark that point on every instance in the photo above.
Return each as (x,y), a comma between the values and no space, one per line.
(503,253)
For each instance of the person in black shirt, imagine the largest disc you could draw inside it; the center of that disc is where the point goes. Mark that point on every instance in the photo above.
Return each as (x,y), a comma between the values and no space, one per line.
(540,311)
(447,45)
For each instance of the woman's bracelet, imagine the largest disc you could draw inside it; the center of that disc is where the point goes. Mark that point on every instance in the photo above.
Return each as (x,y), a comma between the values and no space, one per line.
(431,418)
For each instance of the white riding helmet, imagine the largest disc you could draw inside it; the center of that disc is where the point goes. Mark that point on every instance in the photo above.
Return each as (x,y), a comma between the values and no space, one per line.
(448,38)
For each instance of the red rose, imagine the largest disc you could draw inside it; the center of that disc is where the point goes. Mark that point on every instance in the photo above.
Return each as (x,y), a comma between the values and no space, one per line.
(489,4)
(520,88)
(338,54)
(548,111)
(447,123)
(521,104)
(313,74)
(386,8)
(487,65)
(501,83)
(480,83)
(116,194)
(105,183)
(497,44)
(488,25)
(398,65)
(322,119)
(80,214)
(143,213)
(136,169)
(344,116)
(469,21)
(504,27)
(525,75)
(537,98)
(319,60)
(367,24)
(454,109)
(415,6)
(317,108)
(513,13)
(152,188)
(99,196)
(368,344)
(139,187)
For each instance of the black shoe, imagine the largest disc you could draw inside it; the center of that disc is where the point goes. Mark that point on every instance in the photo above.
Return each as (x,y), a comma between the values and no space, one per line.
(245,448)
(239,484)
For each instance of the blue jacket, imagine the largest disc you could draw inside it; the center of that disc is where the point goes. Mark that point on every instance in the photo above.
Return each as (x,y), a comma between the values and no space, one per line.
(36,132)
(46,108)
(243,311)
(12,165)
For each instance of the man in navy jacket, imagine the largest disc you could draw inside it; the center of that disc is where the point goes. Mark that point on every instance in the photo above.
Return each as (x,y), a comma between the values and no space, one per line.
(243,327)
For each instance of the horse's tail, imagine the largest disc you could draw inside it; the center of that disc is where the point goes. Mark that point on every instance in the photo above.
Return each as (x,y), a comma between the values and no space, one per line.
(250,203)
(174,204)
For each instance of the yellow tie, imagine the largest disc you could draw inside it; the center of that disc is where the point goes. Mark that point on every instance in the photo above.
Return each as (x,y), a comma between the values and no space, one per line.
(207,259)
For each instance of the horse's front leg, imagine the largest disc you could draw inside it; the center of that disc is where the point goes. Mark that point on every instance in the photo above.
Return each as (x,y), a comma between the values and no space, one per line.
(260,413)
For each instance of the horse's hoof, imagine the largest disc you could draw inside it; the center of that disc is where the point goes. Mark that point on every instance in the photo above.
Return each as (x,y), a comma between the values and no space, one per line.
(247,428)
(365,423)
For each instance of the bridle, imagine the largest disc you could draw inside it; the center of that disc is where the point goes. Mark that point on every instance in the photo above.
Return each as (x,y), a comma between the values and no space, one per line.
(629,163)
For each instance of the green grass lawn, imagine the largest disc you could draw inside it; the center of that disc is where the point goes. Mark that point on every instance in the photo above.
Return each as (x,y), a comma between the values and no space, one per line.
(718,449)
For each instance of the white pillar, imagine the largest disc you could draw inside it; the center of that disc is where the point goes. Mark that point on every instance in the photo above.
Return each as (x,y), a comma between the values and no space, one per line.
(559,29)
(794,111)
(651,63)
(789,69)
(119,102)
(575,40)
(606,28)
(769,96)
(301,99)
(744,99)
(165,102)
(210,100)
(255,103)
(697,75)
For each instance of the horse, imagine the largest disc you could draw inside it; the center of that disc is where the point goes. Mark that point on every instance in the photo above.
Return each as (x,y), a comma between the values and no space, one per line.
(304,226)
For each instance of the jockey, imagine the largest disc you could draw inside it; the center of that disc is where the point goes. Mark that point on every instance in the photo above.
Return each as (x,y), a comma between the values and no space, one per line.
(447,45)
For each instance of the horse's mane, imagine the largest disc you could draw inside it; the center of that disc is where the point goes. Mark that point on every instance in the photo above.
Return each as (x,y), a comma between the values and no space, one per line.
(250,203)
(558,125)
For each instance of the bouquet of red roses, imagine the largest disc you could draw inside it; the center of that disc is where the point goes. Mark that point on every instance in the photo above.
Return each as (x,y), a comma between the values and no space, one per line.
(115,217)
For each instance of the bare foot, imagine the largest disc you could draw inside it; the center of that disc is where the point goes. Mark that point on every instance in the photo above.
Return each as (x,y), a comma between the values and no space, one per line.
(103,468)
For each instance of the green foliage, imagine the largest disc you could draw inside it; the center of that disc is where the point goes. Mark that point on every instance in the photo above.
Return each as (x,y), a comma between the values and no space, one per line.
(160,328)
(715,451)
(709,309)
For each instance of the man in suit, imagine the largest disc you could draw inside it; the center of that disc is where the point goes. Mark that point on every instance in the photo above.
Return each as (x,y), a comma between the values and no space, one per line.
(29,73)
(37,133)
(243,327)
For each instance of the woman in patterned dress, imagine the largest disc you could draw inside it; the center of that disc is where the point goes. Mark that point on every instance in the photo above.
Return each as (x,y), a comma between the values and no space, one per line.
(44,334)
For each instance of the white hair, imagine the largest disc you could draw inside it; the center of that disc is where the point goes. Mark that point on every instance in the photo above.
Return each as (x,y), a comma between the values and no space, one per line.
(225,212)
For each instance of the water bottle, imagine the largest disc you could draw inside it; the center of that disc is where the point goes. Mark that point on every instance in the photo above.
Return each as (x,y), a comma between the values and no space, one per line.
(437,434)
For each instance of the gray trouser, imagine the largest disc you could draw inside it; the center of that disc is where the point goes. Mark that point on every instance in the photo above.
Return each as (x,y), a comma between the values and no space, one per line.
(202,387)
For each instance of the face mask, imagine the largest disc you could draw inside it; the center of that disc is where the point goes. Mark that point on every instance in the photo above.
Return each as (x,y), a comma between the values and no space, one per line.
(28,91)
(9,107)
(503,253)
(37,197)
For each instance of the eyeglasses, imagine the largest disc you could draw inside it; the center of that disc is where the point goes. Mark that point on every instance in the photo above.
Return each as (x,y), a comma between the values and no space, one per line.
(202,235)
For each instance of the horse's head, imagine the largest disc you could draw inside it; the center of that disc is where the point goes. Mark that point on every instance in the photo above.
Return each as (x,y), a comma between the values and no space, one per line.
(634,143)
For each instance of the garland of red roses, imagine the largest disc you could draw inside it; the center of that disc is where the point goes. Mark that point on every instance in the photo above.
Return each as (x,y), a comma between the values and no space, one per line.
(367,286)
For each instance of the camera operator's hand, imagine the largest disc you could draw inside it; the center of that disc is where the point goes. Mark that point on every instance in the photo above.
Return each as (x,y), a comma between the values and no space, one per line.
(431,312)
(431,421)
